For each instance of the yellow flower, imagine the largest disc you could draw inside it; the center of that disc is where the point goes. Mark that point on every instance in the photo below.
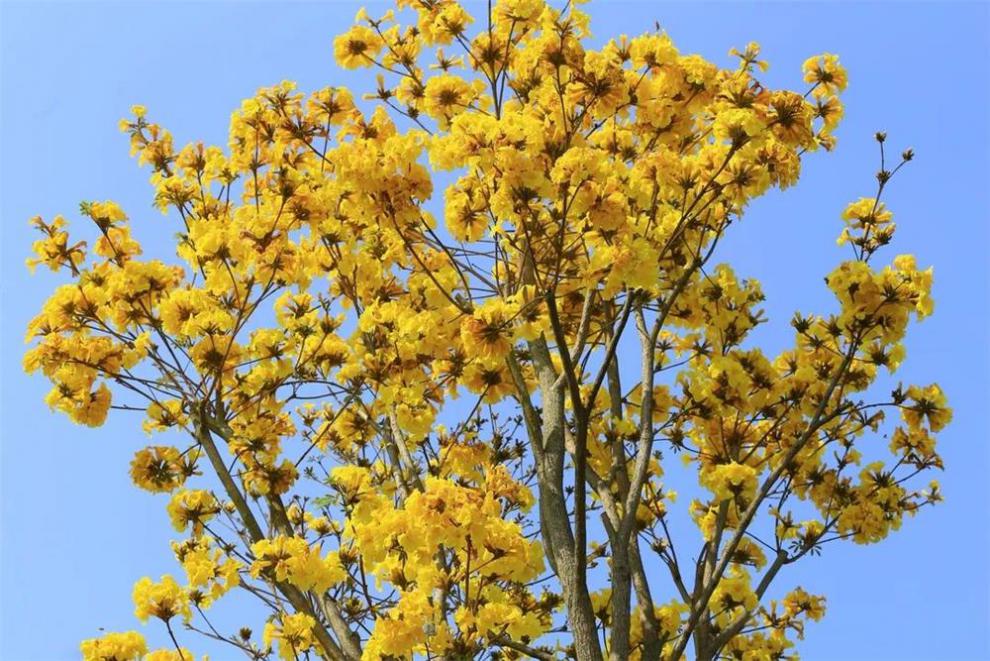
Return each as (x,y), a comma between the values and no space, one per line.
(159,469)
(170,654)
(734,591)
(730,481)
(446,96)
(164,415)
(193,507)
(490,379)
(206,567)
(653,51)
(127,646)
(465,212)
(293,633)
(799,602)
(163,600)
(292,560)
(488,333)
(444,21)
(105,214)
(53,250)
(357,47)
(928,404)
(825,72)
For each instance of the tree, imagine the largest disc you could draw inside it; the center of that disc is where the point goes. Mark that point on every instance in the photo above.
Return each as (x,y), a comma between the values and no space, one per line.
(453,441)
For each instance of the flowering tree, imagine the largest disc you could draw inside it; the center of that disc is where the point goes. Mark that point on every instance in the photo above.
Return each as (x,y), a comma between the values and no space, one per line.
(304,353)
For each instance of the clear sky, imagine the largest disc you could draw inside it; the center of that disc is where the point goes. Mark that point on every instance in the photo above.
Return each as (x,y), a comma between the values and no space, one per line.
(76,534)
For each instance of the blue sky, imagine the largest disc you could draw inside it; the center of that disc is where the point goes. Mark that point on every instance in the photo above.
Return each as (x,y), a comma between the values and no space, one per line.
(75,533)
